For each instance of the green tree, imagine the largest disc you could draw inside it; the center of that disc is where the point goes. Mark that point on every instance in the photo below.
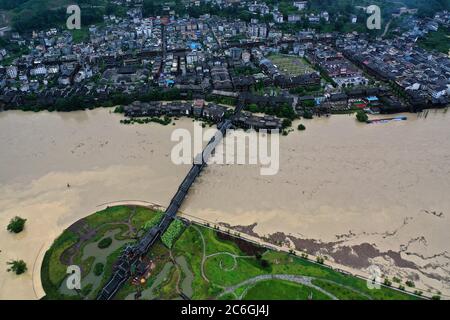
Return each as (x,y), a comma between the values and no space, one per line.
(17,266)
(98,268)
(361,116)
(16,224)
(301,127)
(286,123)
(104,243)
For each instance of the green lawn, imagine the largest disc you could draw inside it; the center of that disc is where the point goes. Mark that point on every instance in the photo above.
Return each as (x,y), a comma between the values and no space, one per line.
(283,290)
(291,65)
(340,292)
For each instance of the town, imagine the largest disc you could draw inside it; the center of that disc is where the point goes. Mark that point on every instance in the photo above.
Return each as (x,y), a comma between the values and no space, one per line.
(276,70)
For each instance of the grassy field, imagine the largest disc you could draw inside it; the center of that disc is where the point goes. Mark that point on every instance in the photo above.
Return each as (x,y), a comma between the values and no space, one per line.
(291,65)
(283,290)
(202,264)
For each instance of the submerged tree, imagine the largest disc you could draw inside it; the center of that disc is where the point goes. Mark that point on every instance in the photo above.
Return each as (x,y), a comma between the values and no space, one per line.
(16,224)
(361,116)
(17,266)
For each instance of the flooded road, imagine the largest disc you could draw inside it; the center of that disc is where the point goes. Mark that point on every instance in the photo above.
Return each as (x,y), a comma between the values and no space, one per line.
(357,193)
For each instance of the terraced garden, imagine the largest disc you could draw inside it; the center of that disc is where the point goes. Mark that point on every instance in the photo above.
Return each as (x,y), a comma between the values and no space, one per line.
(192,262)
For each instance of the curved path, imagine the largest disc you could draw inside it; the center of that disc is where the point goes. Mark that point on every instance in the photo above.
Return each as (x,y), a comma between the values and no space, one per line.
(234,256)
(306,281)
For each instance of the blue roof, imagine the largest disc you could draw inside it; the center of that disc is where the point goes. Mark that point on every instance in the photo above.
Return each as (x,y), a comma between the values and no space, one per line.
(372,98)
(195,45)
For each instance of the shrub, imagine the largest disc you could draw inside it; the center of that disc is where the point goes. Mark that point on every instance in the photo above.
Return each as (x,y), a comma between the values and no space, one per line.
(264,263)
(286,123)
(410,284)
(17,266)
(301,127)
(172,233)
(436,297)
(153,221)
(98,268)
(361,116)
(307,114)
(119,109)
(105,243)
(16,224)
(320,260)
(387,282)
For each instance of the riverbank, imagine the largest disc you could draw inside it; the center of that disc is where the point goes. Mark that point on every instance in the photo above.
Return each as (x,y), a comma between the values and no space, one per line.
(357,193)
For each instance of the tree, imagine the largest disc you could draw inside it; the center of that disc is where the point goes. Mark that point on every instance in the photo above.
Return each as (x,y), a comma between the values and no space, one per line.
(361,116)
(104,243)
(17,266)
(410,284)
(301,127)
(307,114)
(98,268)
(264,263)
(16,224)
(286,123)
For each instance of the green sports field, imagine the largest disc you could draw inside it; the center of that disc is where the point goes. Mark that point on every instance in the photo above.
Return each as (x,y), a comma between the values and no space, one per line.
(291,65)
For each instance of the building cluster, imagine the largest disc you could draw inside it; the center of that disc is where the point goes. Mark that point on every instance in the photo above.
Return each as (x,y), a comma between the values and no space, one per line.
(199,109)
(423,77)
(341,70)
(210,55)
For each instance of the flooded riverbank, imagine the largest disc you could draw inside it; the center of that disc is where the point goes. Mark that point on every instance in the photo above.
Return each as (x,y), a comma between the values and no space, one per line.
(354,192)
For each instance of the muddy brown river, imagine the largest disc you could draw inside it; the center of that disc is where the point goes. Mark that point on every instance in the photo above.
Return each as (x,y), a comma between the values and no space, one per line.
(359,194)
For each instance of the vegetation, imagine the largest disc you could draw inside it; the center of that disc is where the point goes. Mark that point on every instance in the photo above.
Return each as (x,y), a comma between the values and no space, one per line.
(245,71)
(105,243)
(16,224)
(155,220)
(340,292)
(166,120)
(437,40)
(74,103)
(301,127)
(17,266)
(361,116)
(284,111)
(98,268)
(283,290)
(172,233)
(291,65)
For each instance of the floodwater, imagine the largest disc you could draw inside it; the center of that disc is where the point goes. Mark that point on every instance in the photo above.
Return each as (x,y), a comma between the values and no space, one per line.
(384,184)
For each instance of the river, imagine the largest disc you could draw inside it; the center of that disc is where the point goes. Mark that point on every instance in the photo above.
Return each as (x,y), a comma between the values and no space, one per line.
(358,193)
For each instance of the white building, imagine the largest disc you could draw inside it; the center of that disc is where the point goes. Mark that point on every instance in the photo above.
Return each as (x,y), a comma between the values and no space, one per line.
(300,5)
(11,71)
